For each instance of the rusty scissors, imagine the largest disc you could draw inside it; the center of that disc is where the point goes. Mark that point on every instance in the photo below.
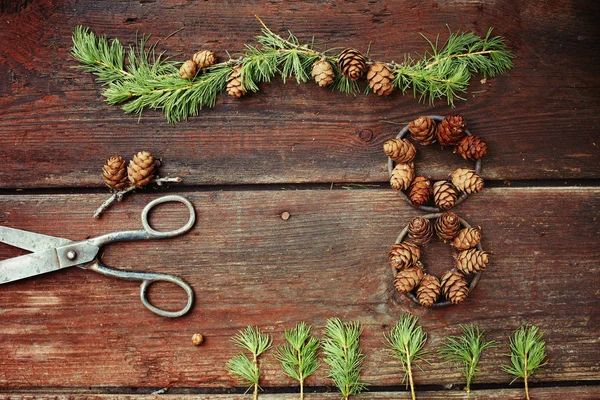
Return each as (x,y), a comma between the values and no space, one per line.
(51,253)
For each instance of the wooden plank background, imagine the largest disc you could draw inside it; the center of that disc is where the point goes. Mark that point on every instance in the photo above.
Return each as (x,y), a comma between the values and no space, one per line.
(317,155)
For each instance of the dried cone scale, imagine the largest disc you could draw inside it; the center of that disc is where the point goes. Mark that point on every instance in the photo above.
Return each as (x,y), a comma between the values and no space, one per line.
(471,261)
(114,173)
(419,192)
(188,69)
(420,231)
(454,287)
(235,88)
(402,176)
(403,255)
(466,180)
(422,130)
(408,279)
(352,64)
(204,58)
(451,130)
(447,226)
(444,195)
(141,169)
(380,79)
(467,238)
(322,72)
(400,150)
(429,290)
(471,148)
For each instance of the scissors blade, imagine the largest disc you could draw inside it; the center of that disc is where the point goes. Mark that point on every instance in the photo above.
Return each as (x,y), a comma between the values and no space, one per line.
(30,241)
(28,265)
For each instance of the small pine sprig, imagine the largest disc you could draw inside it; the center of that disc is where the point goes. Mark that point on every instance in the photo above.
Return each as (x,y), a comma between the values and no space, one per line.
(405,341)
(527,354)
(246,369)
(465,350)
(341,346)
(298,356)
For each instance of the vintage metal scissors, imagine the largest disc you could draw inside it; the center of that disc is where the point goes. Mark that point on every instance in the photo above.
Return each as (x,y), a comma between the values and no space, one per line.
(52,253)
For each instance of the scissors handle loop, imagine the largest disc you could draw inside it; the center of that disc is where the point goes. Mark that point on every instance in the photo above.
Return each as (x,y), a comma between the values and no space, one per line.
(167,199)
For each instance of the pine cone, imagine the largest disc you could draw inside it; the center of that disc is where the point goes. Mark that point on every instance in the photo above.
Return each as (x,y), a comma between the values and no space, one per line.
(466,180)
(451,130)
(400,150)
(114,173)
(323,73)
(422,130)
(235,88)
(473,260)
(403,255)
(188,69)
(429,290)
(420,231)
(444,195)
(471,148)
(352,64)
(467,238)
(447,226)
(402,176)
(408,279)
(380,79)
(420,191)
(454,287)
(141,169)
(204,58)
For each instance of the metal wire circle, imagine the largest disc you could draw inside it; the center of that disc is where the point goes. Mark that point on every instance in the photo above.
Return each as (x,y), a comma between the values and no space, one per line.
(391,164)
(475,278)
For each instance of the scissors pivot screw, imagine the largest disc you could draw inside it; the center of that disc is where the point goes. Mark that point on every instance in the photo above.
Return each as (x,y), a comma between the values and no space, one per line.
(71,255)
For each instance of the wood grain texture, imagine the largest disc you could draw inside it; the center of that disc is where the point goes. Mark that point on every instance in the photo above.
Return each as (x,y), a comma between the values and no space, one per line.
(540,119)
(74,328)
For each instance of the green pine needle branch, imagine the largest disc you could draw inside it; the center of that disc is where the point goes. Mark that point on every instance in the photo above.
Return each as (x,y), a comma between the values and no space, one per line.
(527,354)
(138,78)
(298,356)
(343,355)
(406,340)
(465,350)
(246,369)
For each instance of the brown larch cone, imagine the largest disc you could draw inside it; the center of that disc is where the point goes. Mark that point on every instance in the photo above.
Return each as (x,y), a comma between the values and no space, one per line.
(451,130)
(188,69)
(420,231)
(408,279)
(141,169)
(467,238)
(235,88)
(419,192)
(471,148)
(454,286)
(380,79)
(114,173)
(400,150)
(204,58)
(447,226)
(402,176)
(473,260)
(444,195)
(323,73)
(403,255)
(352,64)
(429,290)
(422,130)
(466,180)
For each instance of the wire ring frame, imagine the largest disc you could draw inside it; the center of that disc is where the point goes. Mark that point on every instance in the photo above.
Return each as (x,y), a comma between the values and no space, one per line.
(475,278)
(391,164)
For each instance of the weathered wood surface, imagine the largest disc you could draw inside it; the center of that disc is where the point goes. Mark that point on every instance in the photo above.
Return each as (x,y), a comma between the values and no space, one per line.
(540,119)
(74,328)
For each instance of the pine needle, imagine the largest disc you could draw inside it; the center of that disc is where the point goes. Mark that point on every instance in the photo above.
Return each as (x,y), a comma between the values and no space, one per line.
(298,356)
(343,355)
(241,366)
(527,354)
(405,341)
(465,351)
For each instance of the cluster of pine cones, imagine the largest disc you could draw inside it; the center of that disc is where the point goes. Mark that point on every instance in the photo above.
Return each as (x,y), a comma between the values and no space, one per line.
(410,273)
(450,132)
(120,176)
(199,62)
